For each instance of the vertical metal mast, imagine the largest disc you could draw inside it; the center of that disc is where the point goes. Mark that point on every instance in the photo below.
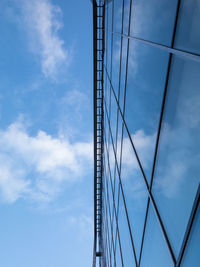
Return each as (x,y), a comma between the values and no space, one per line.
(98,50)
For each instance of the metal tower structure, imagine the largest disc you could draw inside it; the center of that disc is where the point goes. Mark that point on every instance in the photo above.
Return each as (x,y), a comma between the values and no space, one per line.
(98,43)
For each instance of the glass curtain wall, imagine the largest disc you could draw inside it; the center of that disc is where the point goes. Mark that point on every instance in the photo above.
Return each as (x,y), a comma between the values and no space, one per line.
(151,175)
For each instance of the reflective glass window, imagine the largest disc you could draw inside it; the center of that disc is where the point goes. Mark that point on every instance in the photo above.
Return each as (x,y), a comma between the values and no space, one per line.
(127,250)
(106,135)
(135,192)
(145,85)
(108,184)
(118,255)
(126,16)
(123,71)
(108,61)
(106,244)
(107,238)
(108,221)
(110,12)
(117,192)
(177,170)
(153,20)
(117,15)
(113,116)
(116,62)
(187,32)
(155,251)
(107,58)
(192,256)
(110,150)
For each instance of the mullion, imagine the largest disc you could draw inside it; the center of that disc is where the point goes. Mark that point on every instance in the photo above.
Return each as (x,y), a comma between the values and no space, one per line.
(118,196)
(106,83)
(109,211)
(123,196)
(189,226)
(106,236)
(115,214)
(111,58)
(114,208)
(124,105)
(117,233)
(111,232)
(106,225)
(109,244)
(111,51)
(106,91)
(144,176)
(144,230)
(119,87)
(122,134)
(159,130)
(179,52)
(111,225)
(103,216)
(104,241)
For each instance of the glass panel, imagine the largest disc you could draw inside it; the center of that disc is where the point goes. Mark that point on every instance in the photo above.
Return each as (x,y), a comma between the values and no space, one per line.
(106,82)
(109,227)
(123,72)
(106,247)
(113,117)
(192,255)
(117,15)
(145,86)
(153,20)
(110,8)
(109,194)
(177,171)
(116,62)
(125,239)
(108,66)
(114,231)
(155,251)
(126,16)
(119,138)
(118,255)
(134,191)
(106,133)
(187,32)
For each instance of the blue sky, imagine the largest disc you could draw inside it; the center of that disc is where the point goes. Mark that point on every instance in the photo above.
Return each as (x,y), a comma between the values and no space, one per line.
(176,176)
(46,133)
(46,177)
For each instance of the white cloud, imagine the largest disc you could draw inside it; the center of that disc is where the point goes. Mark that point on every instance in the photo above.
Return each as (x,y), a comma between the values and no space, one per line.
(131,175)
(177,159)
(12,185)
(171,175)
(36,167)
(143,17)
(144,145)
(173,164)
(43,23)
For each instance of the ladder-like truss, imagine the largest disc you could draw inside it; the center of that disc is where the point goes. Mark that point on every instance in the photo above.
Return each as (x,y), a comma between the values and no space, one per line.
(98,46)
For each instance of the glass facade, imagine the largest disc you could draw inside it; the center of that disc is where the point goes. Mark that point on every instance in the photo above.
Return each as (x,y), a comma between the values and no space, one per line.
(150,156)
